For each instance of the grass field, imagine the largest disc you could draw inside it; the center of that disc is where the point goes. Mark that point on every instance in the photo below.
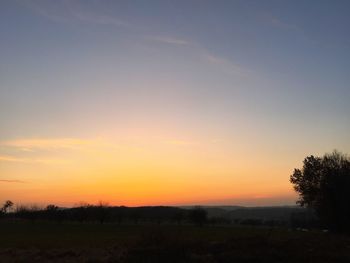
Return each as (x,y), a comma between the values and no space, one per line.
(75,242)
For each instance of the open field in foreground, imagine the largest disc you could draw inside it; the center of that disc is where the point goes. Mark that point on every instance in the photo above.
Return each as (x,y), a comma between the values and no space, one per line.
(74,242)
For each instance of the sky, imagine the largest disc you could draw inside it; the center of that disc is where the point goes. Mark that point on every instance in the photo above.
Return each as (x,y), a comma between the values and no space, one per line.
(169,102)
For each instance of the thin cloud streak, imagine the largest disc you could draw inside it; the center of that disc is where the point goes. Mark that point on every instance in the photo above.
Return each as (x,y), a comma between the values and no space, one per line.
(65,143)
(224,64)
(172,41)
(5,158)
(12,181)
(35,146)
(99,19)
(277,22)
(68,11)
(179,142)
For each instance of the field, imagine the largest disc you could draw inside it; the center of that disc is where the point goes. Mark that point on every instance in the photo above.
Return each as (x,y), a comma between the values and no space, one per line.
(88,242)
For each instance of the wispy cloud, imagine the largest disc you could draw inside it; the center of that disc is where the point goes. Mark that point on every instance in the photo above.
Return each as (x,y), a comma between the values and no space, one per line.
(99,19)
(47,151)
(9,159)
(216,140)
(277,22)
(204,54)
(31,144)
(224,64)
(179,142)
(6,158)
(65,11)
(171,40)
(12,181)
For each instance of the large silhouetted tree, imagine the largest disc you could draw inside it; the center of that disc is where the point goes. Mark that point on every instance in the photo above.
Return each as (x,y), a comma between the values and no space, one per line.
(323,183)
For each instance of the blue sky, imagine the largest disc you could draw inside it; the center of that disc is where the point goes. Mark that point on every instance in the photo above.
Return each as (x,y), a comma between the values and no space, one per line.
(267,78)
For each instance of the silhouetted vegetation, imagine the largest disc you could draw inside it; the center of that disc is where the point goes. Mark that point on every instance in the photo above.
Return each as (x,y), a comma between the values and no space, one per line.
(7,206)
(323,184)
(103,233)
(102,213)
(198,216)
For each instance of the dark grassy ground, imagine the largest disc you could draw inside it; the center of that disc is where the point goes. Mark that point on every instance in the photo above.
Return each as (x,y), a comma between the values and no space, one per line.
(74,242)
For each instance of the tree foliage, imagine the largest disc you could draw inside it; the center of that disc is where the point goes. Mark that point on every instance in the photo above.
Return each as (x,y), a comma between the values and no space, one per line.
(323,183)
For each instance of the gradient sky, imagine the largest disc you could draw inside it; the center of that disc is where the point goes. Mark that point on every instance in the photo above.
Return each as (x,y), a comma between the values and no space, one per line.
(169,102)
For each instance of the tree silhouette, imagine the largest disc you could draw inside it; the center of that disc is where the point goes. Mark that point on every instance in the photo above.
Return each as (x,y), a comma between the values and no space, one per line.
(102,210)
(7,206)
(323,184)
(51,208)
(52,212)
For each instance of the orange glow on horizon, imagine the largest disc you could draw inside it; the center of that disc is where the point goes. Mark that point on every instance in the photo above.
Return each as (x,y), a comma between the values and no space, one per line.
(141,171)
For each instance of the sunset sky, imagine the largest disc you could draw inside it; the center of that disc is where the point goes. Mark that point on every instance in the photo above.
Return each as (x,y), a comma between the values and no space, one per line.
(169,102)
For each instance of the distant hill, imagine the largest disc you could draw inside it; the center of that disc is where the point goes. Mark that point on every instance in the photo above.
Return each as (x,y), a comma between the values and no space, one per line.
(277,213)
(266,213)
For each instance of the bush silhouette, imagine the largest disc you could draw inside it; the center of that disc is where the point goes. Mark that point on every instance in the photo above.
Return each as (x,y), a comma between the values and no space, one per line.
(323,184)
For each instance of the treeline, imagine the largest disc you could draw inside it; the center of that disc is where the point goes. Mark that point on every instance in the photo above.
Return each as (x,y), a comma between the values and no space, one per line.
(109,214)
(102,213)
